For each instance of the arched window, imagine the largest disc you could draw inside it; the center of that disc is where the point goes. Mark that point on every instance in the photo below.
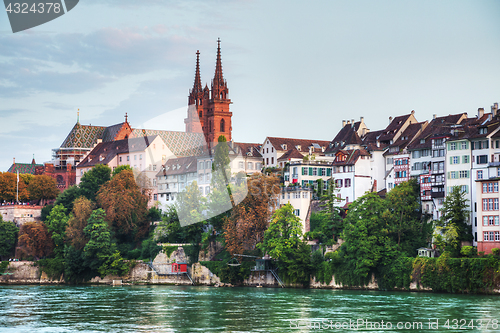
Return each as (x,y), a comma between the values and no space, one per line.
(221,95)
(222,125)
(200,102)
(201,114)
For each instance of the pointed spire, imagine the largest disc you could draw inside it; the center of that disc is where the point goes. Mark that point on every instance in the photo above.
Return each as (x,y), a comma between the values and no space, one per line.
(218,77)
(33,160)
(197,77)
(126,117)
(78,116)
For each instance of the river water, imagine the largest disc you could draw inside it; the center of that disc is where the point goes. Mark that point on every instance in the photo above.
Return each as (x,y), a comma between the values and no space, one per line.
(206,309)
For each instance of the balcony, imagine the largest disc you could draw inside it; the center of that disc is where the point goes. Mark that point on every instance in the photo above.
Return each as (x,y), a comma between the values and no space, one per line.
(494,164)
(437,194)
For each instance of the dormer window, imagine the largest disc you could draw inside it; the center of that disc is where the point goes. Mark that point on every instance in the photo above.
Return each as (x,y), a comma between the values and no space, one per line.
(483,130)
(298,147)
(422,141)
(283,146)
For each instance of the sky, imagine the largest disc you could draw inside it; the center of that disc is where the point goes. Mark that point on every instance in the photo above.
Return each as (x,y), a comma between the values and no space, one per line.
(293,68)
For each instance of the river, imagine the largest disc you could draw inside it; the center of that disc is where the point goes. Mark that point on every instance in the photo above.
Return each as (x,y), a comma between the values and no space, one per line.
(206,309)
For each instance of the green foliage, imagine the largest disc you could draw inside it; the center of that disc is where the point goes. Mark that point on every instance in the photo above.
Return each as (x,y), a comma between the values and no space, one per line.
(92,181)
(120,168)
(192,251)
(282,241)
(3,266)
(465,275)
(46,211)
(75,268)
(495,251)
(8,237)
(453,222)
(395,274)
(468,251)
(56,223)
(67,197)
(113,265)
(230,274)
(53,267)
(169,230)
(168,250)
(149,249)
(154,214)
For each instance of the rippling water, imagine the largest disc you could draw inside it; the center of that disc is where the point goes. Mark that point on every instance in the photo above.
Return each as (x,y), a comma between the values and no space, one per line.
(204,309)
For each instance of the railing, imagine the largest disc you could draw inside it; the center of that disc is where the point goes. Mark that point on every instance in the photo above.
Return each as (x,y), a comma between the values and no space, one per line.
(275,274)
(494,164)
(437,194)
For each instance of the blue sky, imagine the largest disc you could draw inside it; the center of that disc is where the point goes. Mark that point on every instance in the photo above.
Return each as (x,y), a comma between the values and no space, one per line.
(294,68)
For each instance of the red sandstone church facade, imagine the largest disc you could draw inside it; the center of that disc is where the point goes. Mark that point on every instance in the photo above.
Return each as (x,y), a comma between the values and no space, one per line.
(208,110)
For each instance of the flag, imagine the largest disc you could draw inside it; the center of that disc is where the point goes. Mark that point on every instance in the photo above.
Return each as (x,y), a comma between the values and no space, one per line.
(18,176)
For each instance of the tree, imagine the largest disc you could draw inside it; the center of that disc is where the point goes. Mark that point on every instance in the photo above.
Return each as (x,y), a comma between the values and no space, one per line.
(43,188)
(283,242)
(68,197)
(406,224)
(8,236)
(247,222)
(34,241)
(56,224)
(82,209)
(367,244)
(455,213)
(125,207)
(190,205)
(169,230)
(8,187)
(120,168)
(93,179)
(99,247)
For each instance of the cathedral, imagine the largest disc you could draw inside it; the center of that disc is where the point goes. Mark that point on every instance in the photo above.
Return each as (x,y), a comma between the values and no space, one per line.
(208,110)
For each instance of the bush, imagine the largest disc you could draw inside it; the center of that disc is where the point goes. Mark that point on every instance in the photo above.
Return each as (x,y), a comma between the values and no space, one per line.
(495,251)
(468,251)
(54,267)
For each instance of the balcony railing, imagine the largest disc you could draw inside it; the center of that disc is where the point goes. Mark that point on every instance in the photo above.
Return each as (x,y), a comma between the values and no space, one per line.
(437,194)
(494,164)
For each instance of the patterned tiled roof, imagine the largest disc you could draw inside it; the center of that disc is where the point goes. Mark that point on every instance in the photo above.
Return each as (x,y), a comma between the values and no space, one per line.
(180,143)
(24,168)
(83,136)
(111,132)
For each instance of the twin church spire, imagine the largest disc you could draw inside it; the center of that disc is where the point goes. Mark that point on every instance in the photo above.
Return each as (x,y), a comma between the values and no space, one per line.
(208,110)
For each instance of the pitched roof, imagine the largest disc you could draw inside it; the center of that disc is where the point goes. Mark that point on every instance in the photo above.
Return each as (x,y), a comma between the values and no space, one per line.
(83,136)
(293,143)
(104,152)
(291,153)
(112,131)
(438,127)
(407,136)
(250,149)
(24,168)
(347,135)
(352,156)
(393,127)
(180,143)
(178,166)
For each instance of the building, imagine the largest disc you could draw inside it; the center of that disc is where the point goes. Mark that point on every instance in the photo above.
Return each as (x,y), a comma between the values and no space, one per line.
(208,110)
(20,214)
(488,227)
(26,168)
(300,199)
(274,148)
(145,155)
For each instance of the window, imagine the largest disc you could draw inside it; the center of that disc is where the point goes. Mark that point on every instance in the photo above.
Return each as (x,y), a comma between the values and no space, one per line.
(497,236)
(454,160)
(347,182)
(222,125)
(258,166)
(315,171)
(155,197)
(323,172)
(495,187)
(422,141)
(463,145)
(297,212)
(464,188)
(339,182)
(154,167)
(128,158)
(495,204)
(482,159)
(389,160)
(485,220)
(485,236)
(416,154)
(465,159)
(272,160)
(241,165)
(425,152)
(304,195)
(200,177)
(480,174)
(120,158)
(463,174)
(140,157)
(453,146)
(304,171)
(135,157)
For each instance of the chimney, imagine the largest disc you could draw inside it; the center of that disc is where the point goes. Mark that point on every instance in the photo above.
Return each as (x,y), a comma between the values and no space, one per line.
(412,111)
(343,123)
(14,160)
(352,121)
(480,112)
(434,116)
(362,120)
(390,120)
(494,109)
(348,122)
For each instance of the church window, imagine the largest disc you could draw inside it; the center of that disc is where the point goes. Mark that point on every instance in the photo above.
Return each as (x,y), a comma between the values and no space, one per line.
(201,114)
(222,125)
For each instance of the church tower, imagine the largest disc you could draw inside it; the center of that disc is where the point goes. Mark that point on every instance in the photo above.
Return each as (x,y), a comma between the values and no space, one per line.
(210,107)
(194,121)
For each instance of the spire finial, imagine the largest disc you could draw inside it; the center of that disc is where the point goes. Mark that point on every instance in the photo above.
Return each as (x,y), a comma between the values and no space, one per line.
(126,117)
(218,82)
(197,77)
(78,116)
(33,160)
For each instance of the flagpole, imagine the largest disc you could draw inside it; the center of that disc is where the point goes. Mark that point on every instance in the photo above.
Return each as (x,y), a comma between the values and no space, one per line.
(17,191)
